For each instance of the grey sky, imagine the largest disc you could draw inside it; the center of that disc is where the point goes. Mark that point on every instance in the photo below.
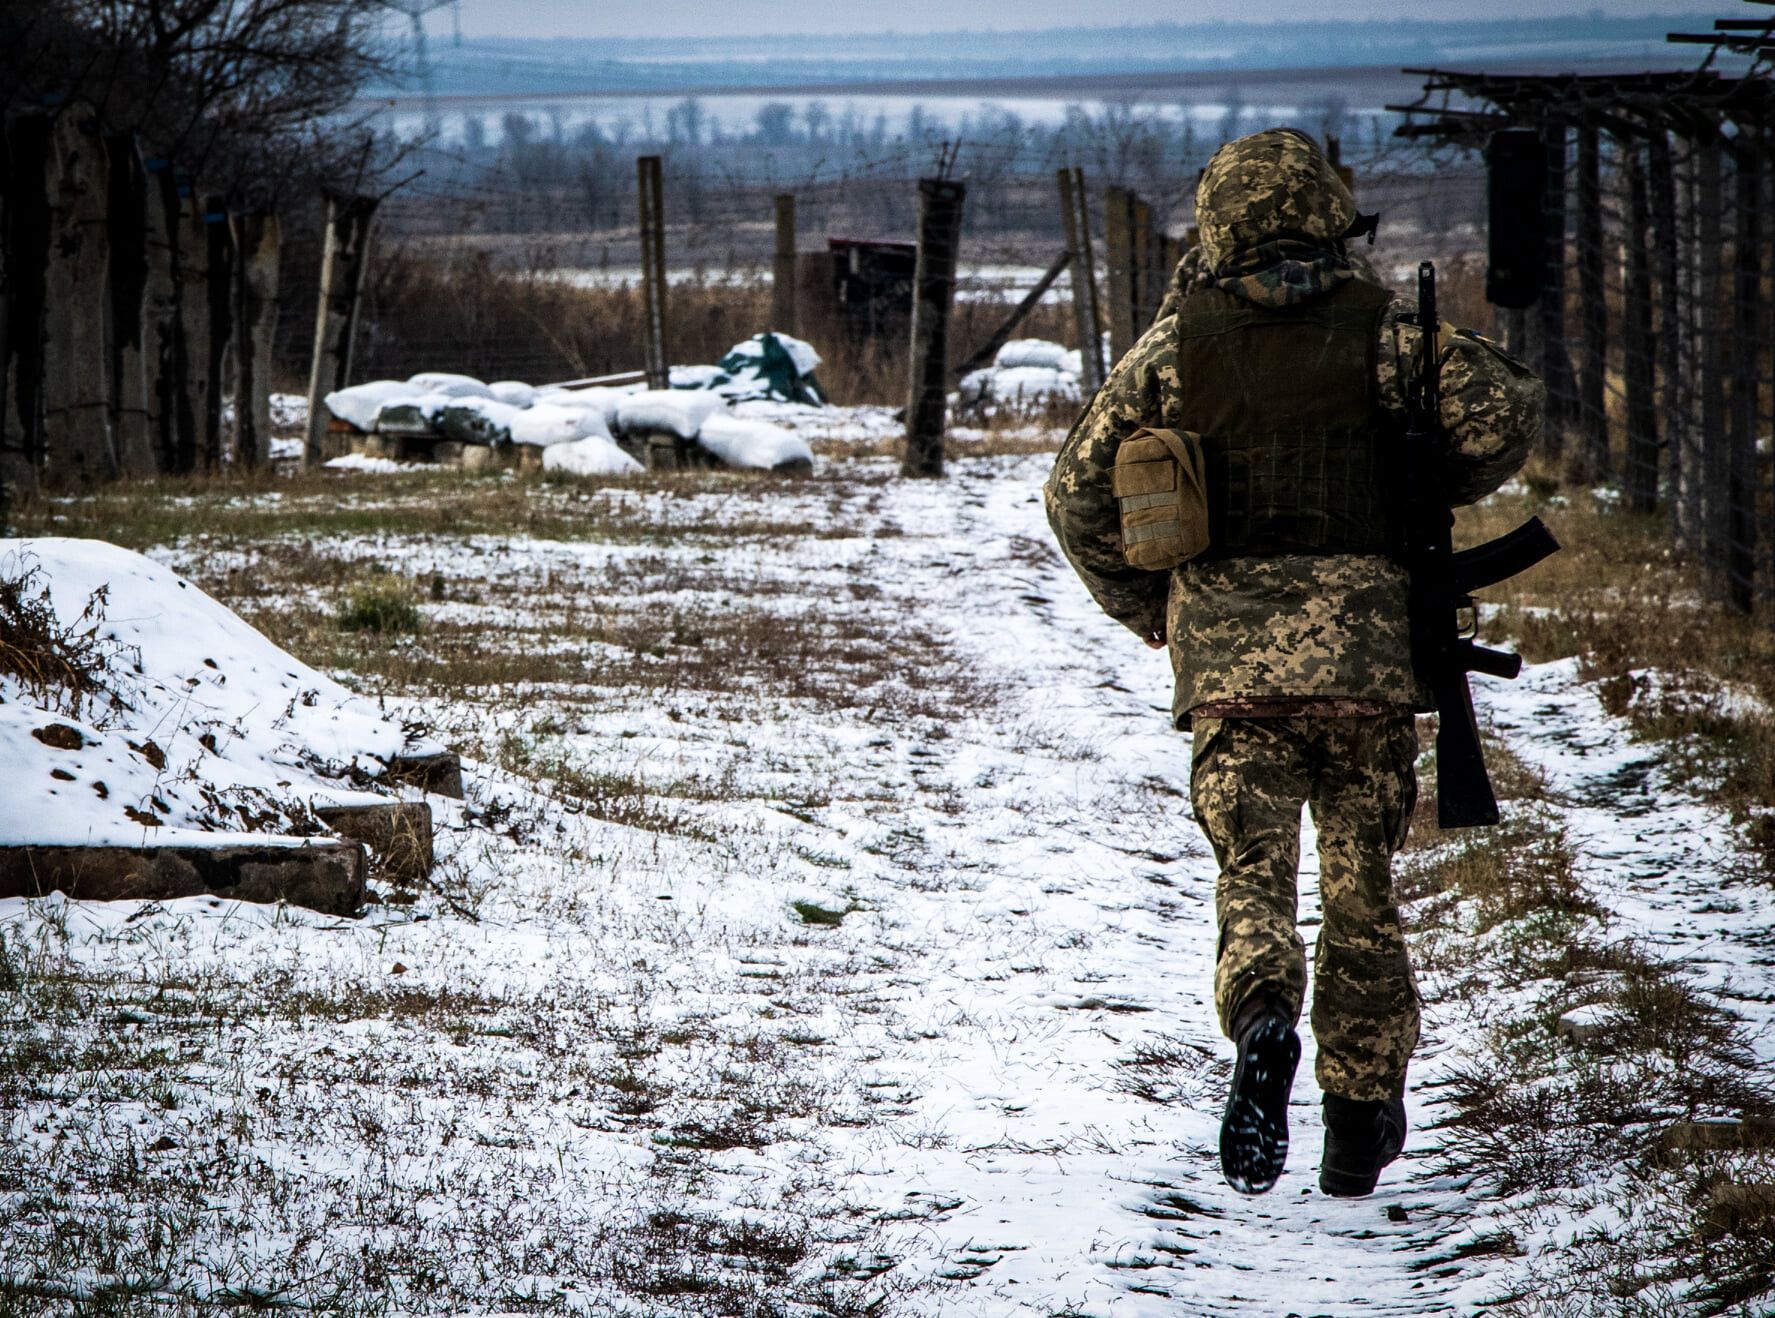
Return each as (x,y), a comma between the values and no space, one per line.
(665,18)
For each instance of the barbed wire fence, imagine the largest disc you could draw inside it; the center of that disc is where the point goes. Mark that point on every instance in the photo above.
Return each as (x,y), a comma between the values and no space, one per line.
(570,219)
(1652,329)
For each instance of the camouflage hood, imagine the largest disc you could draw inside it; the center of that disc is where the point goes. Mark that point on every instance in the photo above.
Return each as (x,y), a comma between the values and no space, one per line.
(1272,213)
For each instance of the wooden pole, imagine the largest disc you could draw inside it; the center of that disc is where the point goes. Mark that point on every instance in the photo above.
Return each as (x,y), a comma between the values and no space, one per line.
(1668,342)
(218,236)
(1141,260)
(1076,217)
(1709,204)
(1556,361)
(1591,463)
(651,191)
(79,450)
(194,325)
(162,326)
(256,272)
(784,307)
(1118,258)
(1747,345)
(997,339)
(343,260)
(933,298)
(1642,414)
(1086,255)
(126,226)
(26,238)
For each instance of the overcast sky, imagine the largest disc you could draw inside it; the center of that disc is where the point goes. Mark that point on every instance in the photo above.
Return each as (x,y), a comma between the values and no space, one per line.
(666,18)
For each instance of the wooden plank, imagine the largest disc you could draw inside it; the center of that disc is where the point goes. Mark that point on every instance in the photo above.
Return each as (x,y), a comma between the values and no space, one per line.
(998,338)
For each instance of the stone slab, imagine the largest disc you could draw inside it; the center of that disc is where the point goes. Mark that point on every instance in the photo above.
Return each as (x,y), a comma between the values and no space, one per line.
(323,875)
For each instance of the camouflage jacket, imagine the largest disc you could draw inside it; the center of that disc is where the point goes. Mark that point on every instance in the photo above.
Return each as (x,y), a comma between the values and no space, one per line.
(1326,628)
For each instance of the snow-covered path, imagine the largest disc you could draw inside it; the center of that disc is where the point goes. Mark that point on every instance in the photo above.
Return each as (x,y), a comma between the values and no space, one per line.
(1010,1033)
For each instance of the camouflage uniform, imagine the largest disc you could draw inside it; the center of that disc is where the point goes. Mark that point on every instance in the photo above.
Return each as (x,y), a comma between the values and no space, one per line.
(1294,668)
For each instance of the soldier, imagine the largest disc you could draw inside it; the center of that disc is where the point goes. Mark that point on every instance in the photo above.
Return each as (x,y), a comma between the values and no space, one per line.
(1273,381)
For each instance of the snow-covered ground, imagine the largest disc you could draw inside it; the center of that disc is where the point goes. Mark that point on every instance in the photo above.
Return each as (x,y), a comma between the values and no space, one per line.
(904,990)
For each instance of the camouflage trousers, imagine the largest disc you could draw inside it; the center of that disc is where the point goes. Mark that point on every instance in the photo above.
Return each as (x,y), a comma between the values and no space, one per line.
(1250,777)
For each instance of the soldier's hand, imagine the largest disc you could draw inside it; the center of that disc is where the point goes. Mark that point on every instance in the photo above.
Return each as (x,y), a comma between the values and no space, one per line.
(1155,641)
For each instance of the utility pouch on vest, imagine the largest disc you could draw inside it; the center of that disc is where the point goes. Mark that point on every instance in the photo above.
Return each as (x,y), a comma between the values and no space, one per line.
(1160,481)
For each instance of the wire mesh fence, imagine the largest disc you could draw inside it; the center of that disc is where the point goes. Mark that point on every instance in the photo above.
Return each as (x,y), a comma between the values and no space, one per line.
(1653,328)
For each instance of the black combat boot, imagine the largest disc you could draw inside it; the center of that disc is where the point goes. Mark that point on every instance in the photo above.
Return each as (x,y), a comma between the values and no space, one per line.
(1361,1137)
(1254,1128)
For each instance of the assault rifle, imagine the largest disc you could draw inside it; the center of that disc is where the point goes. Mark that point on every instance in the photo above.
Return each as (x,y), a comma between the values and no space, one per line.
(1442,583)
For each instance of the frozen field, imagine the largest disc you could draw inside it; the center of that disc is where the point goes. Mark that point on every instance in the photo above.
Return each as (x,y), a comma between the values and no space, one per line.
(825,931)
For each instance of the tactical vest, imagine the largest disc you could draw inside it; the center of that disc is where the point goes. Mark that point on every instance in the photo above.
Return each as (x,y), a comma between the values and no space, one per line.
(1286,402)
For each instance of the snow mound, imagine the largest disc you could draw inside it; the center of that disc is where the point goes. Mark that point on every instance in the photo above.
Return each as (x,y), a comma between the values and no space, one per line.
(209,730)
(363,462)
(595,455)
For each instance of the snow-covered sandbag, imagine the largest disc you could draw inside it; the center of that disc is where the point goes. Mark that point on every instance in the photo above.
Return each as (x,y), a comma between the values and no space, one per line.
(412,415)
(771,366)
(744,442)
(451,386)
(1030,383)
(358,405)
(1074,363)
(801,353)
(513,392)
(547,424)
(1031,352)
(599,398)
(975,388)
(476,421)
(677,411)
(595,455)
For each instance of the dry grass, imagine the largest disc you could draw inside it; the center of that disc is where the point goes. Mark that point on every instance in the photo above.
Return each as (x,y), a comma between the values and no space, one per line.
(63,667)
(1624,599)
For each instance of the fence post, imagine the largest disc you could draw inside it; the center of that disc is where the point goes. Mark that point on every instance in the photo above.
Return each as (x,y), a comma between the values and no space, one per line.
(1591,463)
(260,244)
(1077,217)
(1118,208)
(1668,343)
(78,448)
(1142,258)
(27,243)
(218,237)
(1747,346)
(1642,414)
(194,325)
(1556,361)
(1709,202)
(933,298)
(651,193)
(343,261)
(784,306)
(126,361)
